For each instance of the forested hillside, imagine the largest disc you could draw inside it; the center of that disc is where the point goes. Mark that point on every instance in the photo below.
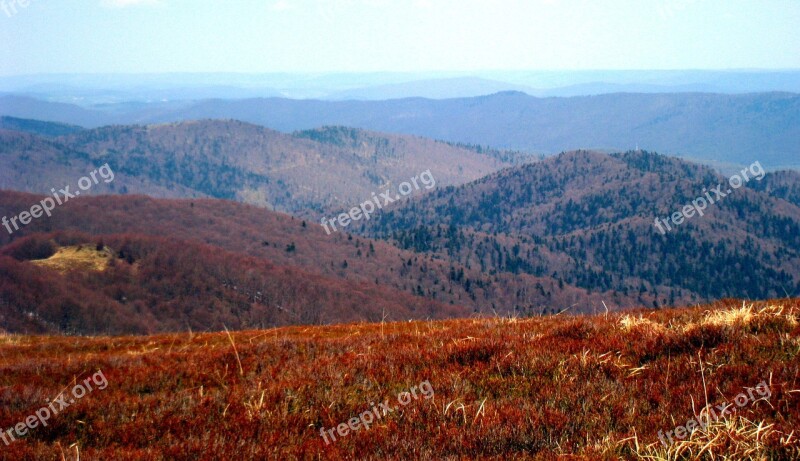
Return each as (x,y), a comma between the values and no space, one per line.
(255,243)
(588,219)
(307,173)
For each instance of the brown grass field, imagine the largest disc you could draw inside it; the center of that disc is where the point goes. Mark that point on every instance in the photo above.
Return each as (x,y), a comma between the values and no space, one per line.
(77,258)
(557,387)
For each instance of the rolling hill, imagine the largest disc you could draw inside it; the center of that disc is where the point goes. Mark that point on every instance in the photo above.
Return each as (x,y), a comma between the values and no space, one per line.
(73,283)
(46,129)
(306,173)
(193,248)
(589,219)
(701,126)
(574,232)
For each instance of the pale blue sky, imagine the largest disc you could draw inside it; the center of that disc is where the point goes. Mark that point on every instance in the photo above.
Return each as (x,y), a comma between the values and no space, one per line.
(133,36)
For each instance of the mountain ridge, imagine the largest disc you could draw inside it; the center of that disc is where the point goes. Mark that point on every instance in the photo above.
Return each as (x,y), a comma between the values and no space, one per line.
(308,173)
(588,219)
(704,127)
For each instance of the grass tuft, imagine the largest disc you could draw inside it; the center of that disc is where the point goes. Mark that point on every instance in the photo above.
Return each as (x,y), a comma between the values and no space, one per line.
(729,438)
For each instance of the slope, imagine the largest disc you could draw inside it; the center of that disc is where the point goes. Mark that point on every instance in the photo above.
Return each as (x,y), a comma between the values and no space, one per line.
(47,129)
(306,173)
(282,240)
(589,219)
(138,284)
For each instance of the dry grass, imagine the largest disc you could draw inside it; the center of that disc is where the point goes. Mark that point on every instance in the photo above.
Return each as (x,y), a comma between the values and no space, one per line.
(527,388)
(78,258)
(736,438)
(633,323)
(752,316)
(749,318)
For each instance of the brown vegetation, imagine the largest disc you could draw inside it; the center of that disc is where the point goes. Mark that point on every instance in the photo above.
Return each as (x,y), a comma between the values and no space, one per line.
(253,233)
(308,173)
(545,388)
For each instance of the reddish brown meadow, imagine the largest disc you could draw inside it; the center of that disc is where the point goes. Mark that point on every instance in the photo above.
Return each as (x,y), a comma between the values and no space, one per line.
(537,388)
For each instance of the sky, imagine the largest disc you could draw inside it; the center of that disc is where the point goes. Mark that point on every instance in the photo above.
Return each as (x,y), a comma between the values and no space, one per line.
(317,36)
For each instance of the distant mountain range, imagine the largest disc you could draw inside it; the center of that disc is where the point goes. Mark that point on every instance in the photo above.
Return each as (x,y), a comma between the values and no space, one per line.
(92,89)
(500,232)
(709,128)
(308,173)
(46,129)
